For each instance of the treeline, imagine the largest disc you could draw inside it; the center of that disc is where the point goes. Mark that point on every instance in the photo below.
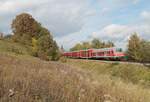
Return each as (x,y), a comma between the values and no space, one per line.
(138,49)
(95,43)
(30,33)
(39,40)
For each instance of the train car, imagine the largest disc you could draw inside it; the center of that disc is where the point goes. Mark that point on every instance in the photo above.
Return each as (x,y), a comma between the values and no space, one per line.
(109,54)
(86,53)
(75,54)
(104,53)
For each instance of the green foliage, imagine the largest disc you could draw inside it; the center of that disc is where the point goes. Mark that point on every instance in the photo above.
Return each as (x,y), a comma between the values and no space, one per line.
(86,45)
(47,48)
(134,47)
(43,31)
(14,48)
(109,44)
(135,73)
(29,32)
(145,51)
(34,47)
(24,27)
(127,73)
(95,43)
(138,49)
(55,53)
(8,37)
(76,47)
(44,46)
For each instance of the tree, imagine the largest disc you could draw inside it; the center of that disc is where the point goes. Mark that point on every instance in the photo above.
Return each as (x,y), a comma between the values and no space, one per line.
(34,47)
(76,47)
(8,36)
(134,46)
(45,45)
(55,53)
(24,27)
(145,51)
(28,31)
(86,45)
(109,44)
(96,43)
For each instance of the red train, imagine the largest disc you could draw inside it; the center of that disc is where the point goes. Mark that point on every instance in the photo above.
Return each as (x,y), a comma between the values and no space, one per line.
(104,53)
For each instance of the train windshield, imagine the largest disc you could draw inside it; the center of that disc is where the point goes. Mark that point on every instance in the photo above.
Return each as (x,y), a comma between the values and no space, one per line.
(118,50)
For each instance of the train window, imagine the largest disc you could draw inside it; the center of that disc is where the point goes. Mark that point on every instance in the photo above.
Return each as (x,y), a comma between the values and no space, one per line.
(99,53)
(119,50)
(111,52)
(85,53)
(108,52)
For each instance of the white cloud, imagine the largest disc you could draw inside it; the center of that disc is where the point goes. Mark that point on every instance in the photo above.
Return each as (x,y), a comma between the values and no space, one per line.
(16,5)
(145,15)
(60,16)
(120,33)
(113,4)
(136,1)
(66,18)
(68,41)
(105,10)
(112,31)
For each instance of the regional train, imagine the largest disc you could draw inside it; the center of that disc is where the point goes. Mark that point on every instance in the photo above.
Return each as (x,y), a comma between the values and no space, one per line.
(103,53)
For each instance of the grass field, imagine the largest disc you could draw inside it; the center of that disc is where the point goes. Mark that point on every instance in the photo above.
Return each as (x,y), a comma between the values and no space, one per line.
(34,80)
(28,79)
(9,47)
(135,73)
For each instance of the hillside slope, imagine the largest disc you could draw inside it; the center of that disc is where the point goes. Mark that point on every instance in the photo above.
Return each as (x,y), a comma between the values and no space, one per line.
(128,72)
(31,79)
(28,79)
(10,47)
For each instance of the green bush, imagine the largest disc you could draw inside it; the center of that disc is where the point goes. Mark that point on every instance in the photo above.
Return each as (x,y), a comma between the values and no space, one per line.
(132,73)
(15,50)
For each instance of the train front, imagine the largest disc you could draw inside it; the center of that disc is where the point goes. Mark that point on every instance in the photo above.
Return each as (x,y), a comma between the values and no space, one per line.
(119,54)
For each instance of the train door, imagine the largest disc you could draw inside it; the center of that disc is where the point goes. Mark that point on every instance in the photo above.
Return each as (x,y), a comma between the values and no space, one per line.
(89,53)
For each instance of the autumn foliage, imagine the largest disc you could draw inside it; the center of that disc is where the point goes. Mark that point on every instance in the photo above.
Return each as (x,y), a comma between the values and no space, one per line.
(32,34)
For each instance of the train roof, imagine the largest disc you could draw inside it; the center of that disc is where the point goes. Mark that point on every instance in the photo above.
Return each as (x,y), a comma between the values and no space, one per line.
(102,49)
(105,49)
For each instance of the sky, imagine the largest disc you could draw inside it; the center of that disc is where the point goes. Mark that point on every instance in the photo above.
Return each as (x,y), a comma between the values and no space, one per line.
(76,21)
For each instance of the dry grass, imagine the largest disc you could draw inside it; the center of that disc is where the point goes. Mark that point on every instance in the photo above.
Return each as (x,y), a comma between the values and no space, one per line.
(135,73)
(33,80)
(121,86)
(11,47)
